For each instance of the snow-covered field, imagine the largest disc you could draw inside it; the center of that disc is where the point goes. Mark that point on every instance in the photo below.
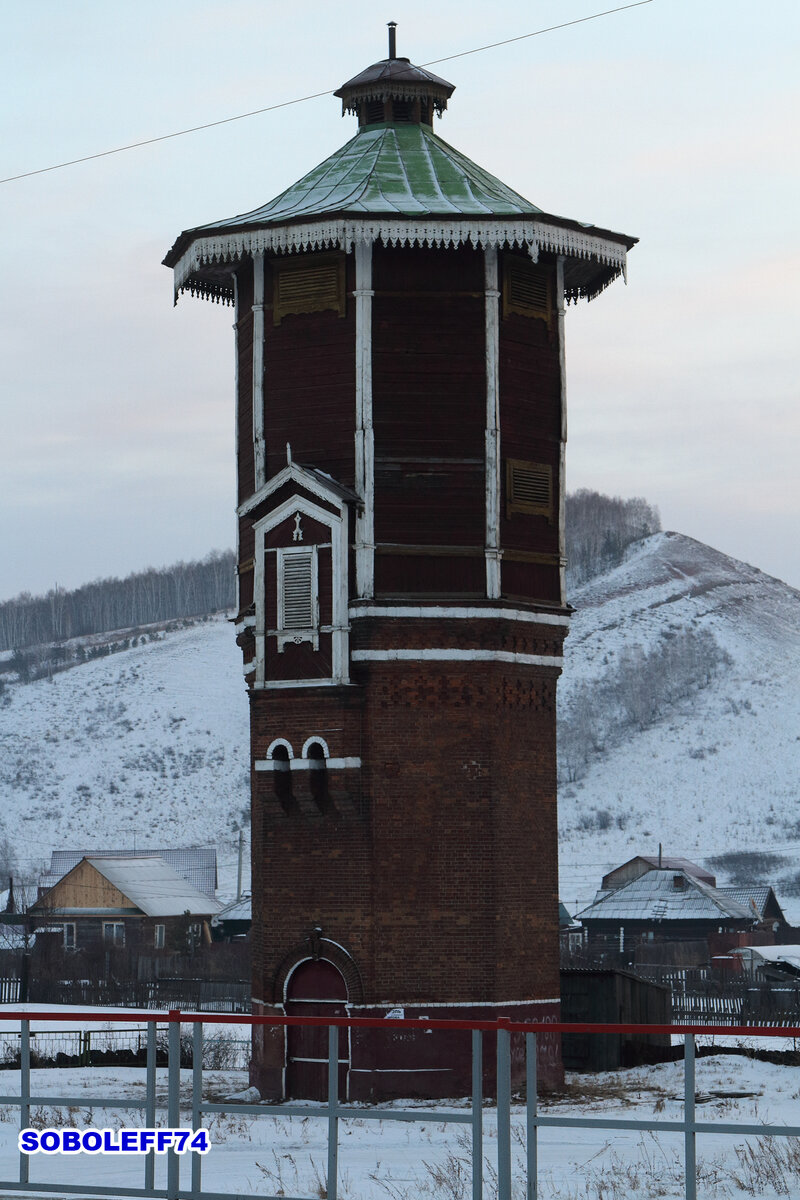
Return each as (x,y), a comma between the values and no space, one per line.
(379,1159)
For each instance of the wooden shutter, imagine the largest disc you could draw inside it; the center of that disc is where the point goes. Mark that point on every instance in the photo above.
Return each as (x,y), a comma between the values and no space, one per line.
(529,487)
(527,288)
(311,283)
(297,587)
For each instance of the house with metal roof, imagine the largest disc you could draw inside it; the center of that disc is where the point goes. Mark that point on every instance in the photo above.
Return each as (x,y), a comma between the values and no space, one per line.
(663,905)
(114,902)
(642,863)
(196,864)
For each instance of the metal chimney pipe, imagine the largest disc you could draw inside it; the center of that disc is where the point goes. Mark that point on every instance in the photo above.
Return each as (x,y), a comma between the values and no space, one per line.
(392,39)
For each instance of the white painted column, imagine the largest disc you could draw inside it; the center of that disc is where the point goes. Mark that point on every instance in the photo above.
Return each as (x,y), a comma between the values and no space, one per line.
(365,438)
(562,474)
(259,594)
(492,308)
(259,448)
(236,424)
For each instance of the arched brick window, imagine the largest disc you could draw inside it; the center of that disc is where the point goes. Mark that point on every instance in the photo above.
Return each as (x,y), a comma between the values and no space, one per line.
(318,776)
(282,777)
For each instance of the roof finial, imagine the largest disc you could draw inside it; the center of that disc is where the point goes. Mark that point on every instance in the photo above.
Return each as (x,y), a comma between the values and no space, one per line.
(392,39)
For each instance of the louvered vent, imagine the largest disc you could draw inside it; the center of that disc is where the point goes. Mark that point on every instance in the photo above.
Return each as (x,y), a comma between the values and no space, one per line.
(526,288)
(529,487)
(304,287)
(298,590)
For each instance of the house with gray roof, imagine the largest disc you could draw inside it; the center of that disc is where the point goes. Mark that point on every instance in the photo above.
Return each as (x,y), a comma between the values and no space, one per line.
(116,902)
(664,905)
(196,864)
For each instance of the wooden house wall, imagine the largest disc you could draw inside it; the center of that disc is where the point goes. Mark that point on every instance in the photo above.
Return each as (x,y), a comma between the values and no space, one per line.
(530,430)
(309,385)
(85,887)
(244,363)
(429,413)
(139,933)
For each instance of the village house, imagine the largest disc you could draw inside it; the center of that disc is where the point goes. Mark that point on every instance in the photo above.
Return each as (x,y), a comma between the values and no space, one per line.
(642,903)
(113,903)
(196,864)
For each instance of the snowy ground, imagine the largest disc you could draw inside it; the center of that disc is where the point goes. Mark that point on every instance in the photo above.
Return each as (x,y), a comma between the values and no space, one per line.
(379,1159)
(282,1155)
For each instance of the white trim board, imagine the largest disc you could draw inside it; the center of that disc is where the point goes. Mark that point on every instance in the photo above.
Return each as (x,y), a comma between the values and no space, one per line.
(309,764)
(434,654)
(451,612)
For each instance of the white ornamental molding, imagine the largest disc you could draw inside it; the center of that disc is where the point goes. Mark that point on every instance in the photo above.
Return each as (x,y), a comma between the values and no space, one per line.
(223,246)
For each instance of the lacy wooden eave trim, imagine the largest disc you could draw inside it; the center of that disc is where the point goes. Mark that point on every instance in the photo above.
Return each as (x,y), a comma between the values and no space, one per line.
(218,250)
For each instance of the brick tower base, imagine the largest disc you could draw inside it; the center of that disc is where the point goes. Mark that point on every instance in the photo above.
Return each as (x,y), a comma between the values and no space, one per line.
(378,1065)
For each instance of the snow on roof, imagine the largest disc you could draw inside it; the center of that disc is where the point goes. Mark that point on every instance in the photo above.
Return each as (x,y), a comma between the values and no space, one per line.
(772,954)
(654,897)
(680,864)
(237,910)
(154,887)
(196,864)
(667,864)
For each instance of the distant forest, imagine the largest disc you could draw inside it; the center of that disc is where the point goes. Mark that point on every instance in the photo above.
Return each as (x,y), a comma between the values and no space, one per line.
(145,598)
(599,529)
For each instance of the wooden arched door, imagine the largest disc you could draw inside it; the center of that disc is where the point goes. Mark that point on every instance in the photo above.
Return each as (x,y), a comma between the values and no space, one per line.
(314,989)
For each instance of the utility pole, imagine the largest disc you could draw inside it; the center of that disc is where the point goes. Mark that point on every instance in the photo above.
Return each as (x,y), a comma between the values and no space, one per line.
(239,871)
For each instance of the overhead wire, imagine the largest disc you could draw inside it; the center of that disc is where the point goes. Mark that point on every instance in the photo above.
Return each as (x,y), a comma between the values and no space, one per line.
(164,137)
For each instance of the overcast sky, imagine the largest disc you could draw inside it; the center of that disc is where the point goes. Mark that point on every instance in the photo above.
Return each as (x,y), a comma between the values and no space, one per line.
(675,122)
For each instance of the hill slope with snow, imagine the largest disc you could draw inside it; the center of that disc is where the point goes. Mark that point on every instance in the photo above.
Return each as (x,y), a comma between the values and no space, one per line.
(718,773)
(148,747)
(151,744)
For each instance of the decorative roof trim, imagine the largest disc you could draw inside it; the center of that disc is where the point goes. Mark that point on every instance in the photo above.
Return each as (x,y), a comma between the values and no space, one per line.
(344,234)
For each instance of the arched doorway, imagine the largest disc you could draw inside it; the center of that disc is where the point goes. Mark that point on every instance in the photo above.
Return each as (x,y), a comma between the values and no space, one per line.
(314,989)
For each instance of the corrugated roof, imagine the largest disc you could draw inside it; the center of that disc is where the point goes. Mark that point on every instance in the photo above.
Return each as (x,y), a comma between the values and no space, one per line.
(196,864)
(666,864)
(654,897)
(750,897)
(152,885)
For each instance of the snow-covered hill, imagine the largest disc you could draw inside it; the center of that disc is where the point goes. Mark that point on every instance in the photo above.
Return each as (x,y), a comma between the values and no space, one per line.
(148,747)
(720,772)
(150,744)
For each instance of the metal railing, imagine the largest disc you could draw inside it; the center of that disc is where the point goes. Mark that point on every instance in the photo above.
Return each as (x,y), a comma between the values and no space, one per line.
(333,1110)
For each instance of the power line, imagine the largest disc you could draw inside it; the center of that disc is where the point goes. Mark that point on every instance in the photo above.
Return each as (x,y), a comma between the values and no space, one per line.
(164,137)
(522,36)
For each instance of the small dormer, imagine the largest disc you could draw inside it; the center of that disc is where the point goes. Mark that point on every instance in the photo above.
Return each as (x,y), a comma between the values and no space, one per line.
(395,92)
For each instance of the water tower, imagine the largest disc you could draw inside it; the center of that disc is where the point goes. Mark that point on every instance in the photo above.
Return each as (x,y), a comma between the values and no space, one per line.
(401,424)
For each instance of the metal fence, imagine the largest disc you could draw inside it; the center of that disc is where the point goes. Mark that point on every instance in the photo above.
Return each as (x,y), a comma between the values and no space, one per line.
(334,1111)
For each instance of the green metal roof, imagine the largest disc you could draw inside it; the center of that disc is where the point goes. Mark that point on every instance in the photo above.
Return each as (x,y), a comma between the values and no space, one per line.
(387,175)
(385,169)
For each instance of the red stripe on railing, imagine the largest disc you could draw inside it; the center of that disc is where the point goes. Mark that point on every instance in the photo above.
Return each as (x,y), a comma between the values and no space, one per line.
(194,1018)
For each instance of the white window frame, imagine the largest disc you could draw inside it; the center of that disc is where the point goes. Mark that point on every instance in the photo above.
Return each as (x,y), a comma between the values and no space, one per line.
(311,633)
(113,939)
(337,522)
(70,942)
(159,937)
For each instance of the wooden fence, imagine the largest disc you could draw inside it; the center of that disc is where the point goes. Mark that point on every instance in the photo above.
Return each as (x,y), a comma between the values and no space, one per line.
(196,995)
